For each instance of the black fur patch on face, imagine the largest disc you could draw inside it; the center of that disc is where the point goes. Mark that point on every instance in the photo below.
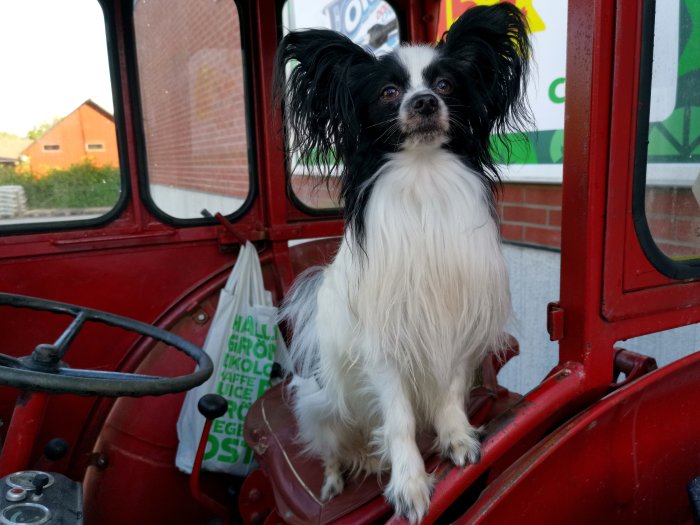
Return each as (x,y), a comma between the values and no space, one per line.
(485,55)
(342,104)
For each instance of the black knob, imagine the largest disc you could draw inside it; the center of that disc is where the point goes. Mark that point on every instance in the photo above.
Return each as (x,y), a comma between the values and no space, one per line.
(212,406)
(55,449)
(39,482)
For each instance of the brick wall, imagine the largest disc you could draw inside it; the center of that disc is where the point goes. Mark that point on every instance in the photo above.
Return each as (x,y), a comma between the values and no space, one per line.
(674,220)
(531,214)
(191,76)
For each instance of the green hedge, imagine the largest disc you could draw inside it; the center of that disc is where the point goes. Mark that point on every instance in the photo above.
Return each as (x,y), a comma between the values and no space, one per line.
(81,185)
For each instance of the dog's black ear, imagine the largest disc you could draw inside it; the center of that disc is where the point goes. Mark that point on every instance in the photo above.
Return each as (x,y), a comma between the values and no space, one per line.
(493,45)
(320,113)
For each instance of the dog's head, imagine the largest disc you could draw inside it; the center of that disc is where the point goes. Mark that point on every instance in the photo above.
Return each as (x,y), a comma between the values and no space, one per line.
(342,100)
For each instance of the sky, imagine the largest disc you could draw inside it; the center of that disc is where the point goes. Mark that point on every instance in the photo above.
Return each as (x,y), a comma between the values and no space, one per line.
(53,57)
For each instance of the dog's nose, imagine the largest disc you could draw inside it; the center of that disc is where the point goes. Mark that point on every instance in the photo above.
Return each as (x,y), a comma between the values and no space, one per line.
(425,104)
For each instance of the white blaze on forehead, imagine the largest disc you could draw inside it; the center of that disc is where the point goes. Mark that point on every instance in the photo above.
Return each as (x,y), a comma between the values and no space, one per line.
(415,59)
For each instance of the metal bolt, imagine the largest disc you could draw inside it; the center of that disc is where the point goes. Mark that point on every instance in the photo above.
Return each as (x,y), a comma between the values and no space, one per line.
(201,317)
(254,495)
(101,462)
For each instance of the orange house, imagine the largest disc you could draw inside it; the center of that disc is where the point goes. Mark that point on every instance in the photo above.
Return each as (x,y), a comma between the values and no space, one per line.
(88,133)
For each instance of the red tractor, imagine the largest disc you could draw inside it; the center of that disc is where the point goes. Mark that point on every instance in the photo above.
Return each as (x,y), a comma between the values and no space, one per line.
(90,399)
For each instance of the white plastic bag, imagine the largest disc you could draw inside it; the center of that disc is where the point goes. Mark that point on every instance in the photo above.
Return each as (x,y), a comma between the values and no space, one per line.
(243,342)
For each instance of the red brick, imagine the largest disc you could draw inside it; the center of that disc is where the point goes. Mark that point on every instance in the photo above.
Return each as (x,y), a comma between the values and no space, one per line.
(512,232)
(660,200)
(661,227)
(685,203)
(525,214)
(688,230)
(511,193)
(543,195)
(543,236)
(554,218)
(678,250)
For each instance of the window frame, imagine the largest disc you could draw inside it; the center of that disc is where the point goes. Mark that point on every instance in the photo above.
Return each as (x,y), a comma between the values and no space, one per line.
(633,288)
(674,269)
(246,42)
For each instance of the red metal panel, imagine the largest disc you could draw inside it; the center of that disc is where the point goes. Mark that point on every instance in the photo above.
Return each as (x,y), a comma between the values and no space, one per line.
(626,460)
(589,68)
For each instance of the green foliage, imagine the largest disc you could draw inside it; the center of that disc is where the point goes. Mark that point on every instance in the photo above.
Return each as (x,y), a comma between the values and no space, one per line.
(39,131)
(81,185)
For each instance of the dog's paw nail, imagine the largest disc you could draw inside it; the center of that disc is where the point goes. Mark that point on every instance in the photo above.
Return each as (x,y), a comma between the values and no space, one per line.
(410,497)
(332,486)
(464,449)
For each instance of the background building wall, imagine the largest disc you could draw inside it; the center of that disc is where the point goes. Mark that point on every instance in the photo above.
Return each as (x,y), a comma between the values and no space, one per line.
(88,124)
(192,95)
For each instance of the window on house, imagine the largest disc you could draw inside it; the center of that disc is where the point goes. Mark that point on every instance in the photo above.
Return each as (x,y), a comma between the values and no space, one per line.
(95,146)
(192,74)
(372,25)
(47,180)
(667,185)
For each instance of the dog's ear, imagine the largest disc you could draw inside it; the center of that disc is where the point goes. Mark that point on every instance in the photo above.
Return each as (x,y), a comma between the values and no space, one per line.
(494,47)
(320,113)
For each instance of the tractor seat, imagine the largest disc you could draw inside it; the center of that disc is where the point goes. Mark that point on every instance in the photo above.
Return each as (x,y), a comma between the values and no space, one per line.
(294,479)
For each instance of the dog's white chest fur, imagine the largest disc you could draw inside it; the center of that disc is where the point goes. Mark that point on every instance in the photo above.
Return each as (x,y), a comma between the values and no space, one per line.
(431,290)
(387,337)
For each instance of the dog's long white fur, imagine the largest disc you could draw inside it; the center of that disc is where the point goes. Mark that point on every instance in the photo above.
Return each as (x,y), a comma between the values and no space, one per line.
(387,339)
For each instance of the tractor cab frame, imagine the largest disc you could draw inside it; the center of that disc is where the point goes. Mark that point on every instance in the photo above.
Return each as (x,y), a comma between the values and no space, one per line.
(582,447)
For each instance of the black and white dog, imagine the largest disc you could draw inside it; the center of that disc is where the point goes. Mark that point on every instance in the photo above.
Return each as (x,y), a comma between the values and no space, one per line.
(387,338)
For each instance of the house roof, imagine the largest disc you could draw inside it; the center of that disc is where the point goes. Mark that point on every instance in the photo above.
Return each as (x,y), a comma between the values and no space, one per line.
(98,108)
(11,147)
(88,102)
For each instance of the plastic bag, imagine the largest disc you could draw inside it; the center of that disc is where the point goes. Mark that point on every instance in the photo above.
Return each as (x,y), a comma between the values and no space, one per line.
(243,342)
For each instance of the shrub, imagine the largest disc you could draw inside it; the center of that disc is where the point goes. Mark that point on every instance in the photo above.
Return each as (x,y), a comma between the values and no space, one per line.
(82,185)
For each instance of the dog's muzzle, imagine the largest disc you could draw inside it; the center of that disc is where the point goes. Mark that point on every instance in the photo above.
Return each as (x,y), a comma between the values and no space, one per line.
(423,118)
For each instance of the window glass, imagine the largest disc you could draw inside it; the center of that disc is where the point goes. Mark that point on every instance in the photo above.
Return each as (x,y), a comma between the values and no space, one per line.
(372,24)
(55,96)
(191,75)
(672,193)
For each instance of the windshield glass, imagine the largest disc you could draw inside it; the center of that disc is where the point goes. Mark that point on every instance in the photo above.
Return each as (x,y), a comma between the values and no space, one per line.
(672,142)
(59,160)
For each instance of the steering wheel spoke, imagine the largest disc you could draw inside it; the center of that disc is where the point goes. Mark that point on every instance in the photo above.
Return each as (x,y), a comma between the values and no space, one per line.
(8,361)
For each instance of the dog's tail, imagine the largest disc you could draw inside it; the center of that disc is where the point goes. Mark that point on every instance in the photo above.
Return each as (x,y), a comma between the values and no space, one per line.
(299,311)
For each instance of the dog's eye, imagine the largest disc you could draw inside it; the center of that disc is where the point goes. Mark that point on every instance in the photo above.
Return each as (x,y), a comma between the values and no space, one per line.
(389,93)
(443,86)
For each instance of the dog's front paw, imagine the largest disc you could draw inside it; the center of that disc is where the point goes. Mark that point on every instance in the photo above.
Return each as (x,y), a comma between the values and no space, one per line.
(410,496)
(462,447)
(333,483)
